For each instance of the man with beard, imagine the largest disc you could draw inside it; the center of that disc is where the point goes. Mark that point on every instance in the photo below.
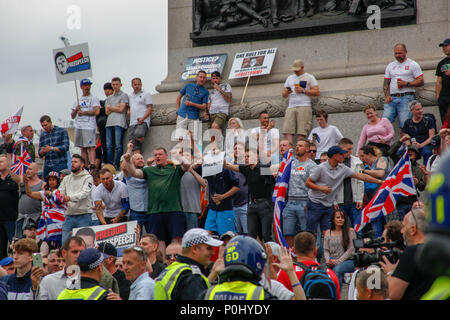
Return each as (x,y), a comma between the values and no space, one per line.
(76,188)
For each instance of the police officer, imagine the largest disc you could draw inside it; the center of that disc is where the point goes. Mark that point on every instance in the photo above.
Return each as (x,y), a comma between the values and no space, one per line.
(244,260)
(90,263)
(185,278)
(434,256)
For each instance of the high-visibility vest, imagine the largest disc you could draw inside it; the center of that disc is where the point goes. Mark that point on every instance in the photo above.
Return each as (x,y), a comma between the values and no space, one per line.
(93,293)
(166,281)
(235,290)
(440,290)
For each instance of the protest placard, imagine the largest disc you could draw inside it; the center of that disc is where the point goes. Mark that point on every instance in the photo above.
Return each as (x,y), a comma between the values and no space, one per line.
(208,63)
(120,235)
(72,63)
(212,164)
(252,63)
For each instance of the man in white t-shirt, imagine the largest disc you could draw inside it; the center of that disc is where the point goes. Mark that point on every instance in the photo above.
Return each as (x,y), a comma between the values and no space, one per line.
(141,106)
(299,87)
(219,102)
(400,79)
(111,199)
(324,136)
(85,114)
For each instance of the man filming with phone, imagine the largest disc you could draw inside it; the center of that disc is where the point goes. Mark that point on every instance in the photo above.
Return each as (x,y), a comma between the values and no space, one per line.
(23,284)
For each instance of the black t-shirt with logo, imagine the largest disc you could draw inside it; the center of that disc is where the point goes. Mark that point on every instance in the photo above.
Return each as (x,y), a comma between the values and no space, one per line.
(440,72)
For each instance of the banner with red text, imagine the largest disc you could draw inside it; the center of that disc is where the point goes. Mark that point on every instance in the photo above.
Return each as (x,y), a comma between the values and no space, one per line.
(252,63)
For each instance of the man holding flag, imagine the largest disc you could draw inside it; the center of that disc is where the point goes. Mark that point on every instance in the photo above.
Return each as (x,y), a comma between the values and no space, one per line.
(398,183)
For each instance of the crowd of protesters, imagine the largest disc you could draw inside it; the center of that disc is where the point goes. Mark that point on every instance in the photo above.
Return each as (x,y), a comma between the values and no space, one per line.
(200,231)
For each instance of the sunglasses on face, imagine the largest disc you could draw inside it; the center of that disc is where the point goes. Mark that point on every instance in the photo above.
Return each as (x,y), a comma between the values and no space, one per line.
(312,151)
(170,256)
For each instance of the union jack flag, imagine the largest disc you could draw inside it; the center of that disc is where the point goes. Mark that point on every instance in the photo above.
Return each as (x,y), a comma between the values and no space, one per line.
(279,196)
(52,217)
(21,163)
(398,183)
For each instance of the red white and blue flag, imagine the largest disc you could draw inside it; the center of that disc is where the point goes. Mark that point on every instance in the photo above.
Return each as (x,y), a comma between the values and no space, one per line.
(279,196)
(21,163)
(398,183)
(52,218)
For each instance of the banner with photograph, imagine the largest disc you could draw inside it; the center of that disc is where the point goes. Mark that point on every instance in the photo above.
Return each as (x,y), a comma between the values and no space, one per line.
(253,63)
(120,235)
(72,63)
(208,63)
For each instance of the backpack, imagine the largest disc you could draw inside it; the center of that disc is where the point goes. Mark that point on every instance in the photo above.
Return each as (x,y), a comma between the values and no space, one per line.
(316,283)
(428,119)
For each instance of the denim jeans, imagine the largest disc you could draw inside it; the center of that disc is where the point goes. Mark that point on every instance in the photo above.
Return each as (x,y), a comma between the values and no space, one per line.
(317,214)
(241,218)
(140,217)
(294,217)
(71,222)
(344,267)
(398,106)
(191,220)
(426,153)
(114,144)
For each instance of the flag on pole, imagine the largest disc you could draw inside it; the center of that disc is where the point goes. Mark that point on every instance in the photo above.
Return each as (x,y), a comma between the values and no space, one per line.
(21,163)
(11,124)
(279,196)
(398,183)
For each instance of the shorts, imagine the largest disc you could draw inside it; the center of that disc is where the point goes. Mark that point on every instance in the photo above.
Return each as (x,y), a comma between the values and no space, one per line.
(298,120)
(137,131)
(184,124)
(166,225)
(220,221)
(85,138)
(219,118)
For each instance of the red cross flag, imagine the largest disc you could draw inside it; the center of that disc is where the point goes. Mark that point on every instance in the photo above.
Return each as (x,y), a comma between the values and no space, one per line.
(11,124)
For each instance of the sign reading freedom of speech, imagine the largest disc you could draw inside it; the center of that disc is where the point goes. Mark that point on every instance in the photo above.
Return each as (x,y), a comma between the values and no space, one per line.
(212,164)
(72,63)
(209,64)
(120,235)
(253,63)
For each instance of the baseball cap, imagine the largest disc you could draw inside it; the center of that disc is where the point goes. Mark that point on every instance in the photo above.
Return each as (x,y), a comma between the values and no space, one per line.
(445,43)
(229,234)
(435,142)
(65,172)
(198,236)
(215,74)
(335,150)
(6,261)
(85,81)
(107,249)
(107,85)
(297,65)
(89,259)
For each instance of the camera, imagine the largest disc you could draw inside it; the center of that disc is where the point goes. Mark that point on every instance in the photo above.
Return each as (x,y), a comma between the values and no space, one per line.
(365,259)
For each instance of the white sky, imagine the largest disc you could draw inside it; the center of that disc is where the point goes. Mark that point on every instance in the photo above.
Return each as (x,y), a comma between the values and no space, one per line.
(126,39)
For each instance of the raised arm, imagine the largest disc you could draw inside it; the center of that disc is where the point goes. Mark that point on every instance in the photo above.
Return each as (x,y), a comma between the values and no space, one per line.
(129,166)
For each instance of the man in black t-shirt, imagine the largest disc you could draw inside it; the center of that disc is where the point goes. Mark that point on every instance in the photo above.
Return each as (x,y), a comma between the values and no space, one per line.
(406,280)
(443,81)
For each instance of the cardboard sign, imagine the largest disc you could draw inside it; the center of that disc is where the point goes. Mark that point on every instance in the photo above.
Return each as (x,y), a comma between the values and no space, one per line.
(212,164)
(72,63)
(120,235)
(209,64)
(253,63)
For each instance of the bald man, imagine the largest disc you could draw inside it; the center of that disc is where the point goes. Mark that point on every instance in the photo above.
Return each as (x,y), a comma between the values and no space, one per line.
(29,209)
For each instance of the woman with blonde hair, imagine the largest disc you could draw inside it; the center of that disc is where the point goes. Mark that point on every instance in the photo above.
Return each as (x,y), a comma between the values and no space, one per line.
(377,132)
(235,133)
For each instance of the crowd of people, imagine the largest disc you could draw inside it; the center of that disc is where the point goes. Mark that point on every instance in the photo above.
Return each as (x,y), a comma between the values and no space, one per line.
(211,237)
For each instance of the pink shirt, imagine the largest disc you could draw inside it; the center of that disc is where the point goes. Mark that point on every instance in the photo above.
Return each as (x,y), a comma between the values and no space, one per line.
(373,133)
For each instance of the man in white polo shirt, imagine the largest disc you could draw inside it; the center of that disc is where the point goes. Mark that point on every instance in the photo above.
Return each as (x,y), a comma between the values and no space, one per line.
(299,87)
(85,114)
(114,195)
(141,106)
(400,79)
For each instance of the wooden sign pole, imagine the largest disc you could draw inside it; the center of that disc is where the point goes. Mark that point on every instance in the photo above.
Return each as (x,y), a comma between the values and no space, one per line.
(245,90)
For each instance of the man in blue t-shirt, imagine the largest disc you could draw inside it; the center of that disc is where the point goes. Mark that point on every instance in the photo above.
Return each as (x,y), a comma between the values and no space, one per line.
(195,98)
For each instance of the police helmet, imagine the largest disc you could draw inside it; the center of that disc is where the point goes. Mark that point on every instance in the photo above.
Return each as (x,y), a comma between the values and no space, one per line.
(245,251)
(434,255)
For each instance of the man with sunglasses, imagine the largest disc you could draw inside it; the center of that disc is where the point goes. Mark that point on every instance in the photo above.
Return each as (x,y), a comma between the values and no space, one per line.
(312,152)
(185,278)
(406,280)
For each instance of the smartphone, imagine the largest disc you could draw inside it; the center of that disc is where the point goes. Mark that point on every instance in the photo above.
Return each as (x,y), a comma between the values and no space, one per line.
(317,137)
(37,260)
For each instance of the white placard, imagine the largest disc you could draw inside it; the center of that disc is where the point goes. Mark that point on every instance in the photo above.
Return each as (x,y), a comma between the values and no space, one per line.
(212,164)
(252,63)
(72,63)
